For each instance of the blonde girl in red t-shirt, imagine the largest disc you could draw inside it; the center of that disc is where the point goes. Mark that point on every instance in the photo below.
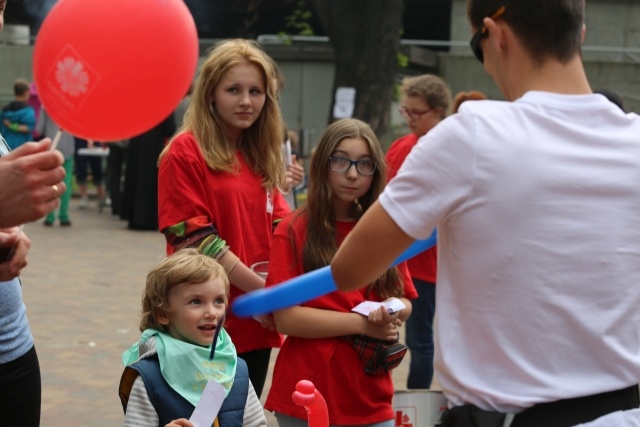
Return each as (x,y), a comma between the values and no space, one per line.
(347,173)
(219,179)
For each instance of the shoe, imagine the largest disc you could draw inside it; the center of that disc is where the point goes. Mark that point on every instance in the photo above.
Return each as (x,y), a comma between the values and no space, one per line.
(66,223)
(84,203)
(48,223)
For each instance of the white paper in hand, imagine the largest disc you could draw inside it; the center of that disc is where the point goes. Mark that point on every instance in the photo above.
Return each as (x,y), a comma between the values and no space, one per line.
(288,156)
(208,406)
(392,305)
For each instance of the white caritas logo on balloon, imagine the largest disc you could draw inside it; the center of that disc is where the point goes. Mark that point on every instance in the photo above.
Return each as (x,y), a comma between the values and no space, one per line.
(72,77)
(71,80)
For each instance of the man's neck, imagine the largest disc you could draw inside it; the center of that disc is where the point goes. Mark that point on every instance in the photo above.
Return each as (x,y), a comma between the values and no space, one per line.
(552,76)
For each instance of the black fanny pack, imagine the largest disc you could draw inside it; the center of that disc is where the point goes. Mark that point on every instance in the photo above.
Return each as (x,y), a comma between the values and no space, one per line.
(561,413)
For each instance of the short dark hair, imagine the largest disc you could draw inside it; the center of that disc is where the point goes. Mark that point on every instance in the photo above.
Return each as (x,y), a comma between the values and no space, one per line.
(20,87)
(547,28)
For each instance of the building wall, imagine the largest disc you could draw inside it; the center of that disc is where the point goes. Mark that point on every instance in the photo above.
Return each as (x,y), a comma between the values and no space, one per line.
(611,51)
(15,62)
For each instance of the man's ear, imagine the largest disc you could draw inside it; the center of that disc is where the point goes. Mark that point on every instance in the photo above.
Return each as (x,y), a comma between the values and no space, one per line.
(583,32)
(496,35)
(162,317)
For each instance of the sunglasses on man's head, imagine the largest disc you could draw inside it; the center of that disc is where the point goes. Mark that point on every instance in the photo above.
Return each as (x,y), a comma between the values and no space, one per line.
(481,33)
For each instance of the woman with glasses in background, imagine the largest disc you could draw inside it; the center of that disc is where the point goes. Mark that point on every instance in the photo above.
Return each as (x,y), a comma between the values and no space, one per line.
(346,174)
(426,100)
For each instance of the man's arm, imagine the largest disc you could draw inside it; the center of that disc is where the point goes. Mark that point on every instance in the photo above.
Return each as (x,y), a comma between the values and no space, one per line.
(370,248)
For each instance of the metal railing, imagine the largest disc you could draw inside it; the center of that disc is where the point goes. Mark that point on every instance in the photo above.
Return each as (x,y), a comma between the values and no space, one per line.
(632,52)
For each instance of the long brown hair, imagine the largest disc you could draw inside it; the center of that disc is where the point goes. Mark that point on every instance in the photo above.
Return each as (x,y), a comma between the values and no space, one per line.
(260,144)
(320,244)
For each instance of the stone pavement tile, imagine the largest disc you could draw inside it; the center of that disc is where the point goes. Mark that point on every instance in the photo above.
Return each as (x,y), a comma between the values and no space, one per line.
(82,289)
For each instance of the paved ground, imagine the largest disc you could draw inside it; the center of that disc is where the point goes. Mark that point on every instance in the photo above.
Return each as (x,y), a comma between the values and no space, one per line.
(82,289)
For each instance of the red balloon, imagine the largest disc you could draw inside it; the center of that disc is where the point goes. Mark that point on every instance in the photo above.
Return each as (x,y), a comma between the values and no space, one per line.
(109,70)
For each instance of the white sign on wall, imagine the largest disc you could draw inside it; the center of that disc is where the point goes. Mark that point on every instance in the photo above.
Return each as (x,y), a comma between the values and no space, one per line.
(345,102)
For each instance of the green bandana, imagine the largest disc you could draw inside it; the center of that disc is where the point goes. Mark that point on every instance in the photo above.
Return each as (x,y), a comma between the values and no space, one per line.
(186,367)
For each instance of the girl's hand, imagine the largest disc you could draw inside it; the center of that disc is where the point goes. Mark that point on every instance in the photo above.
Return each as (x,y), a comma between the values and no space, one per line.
(383,331)
(266,321)
(295,175)
(182,422)
(382,316)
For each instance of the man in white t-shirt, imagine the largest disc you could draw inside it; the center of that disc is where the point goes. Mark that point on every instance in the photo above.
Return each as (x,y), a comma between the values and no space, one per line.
(537,206)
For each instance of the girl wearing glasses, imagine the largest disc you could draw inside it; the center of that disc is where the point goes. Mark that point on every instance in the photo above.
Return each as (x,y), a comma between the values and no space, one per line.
(347,173)
(426,101)
(219,177)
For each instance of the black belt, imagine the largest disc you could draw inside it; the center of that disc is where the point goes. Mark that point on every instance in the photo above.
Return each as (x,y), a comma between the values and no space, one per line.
(561,413)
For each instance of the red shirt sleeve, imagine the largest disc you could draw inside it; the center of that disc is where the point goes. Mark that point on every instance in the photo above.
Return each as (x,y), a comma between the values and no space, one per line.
(397,152)
(182,203)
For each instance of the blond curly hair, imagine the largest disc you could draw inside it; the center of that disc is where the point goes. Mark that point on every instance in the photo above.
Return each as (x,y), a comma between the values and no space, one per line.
(188,265)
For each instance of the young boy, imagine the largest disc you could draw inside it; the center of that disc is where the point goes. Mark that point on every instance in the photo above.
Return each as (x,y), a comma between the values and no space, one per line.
(18,118)
(185,297)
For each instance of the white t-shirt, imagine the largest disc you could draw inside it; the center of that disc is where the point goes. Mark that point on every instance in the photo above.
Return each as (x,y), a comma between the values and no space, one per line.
(537,204)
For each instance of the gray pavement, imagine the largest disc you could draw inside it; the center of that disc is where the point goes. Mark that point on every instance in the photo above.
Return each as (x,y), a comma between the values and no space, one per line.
(82,289)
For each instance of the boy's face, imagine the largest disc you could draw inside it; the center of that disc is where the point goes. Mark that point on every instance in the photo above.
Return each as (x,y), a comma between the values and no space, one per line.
(195,310)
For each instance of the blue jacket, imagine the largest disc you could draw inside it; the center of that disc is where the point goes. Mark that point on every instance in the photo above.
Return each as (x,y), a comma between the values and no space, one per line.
(170,405)
(23,114)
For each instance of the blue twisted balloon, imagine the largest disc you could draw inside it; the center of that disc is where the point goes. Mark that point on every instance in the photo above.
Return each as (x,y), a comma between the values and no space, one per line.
(307,286)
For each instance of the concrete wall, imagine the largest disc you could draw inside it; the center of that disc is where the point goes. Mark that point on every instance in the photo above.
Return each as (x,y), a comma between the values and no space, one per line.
(15,62)
(463,73)
(612,26)
(306,98)
(610,23)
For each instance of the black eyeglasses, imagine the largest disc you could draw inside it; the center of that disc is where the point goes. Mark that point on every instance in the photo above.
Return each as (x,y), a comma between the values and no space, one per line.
(481,33)
(342,165)
(412,114)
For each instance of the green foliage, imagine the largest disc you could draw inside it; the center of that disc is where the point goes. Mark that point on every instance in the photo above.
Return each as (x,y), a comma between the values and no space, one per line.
(397,91)
(403,60)
(285,37)
(298,22)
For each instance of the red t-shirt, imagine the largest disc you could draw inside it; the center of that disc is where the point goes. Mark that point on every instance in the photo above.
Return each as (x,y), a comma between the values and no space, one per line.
(332,364)
(237,205)
(422,266)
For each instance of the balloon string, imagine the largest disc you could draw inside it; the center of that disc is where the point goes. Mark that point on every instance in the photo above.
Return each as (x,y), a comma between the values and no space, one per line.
(56,139)
(215,337)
